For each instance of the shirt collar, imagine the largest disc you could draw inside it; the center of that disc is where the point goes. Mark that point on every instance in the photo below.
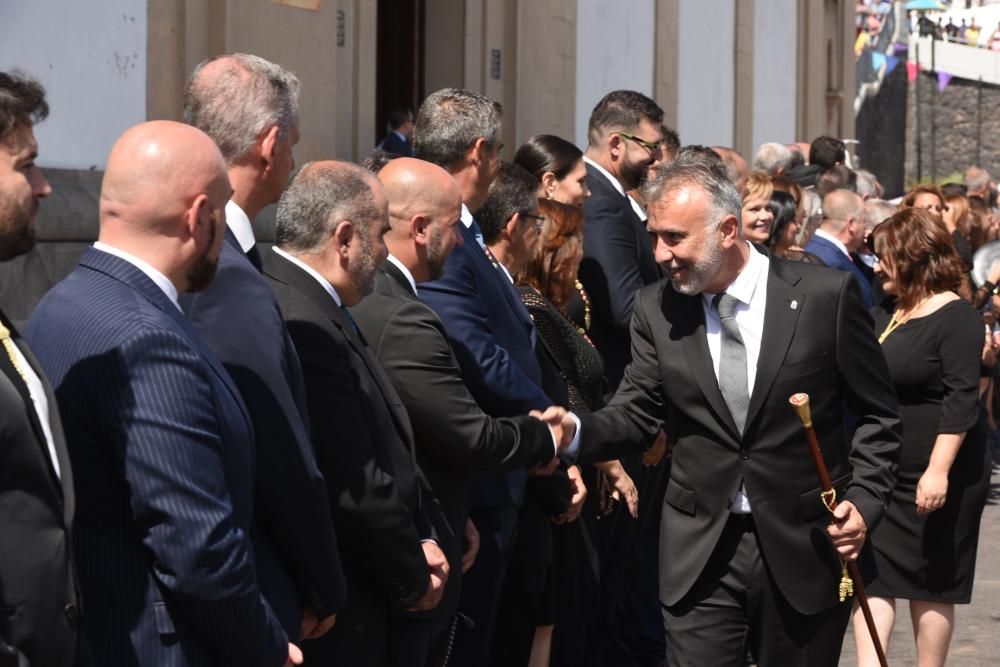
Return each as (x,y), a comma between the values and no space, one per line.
(239,224)
(607,174)
(834,240)
(467,218)
(312,272)
(402,137)
(745,284)
(161,280)
(405,271)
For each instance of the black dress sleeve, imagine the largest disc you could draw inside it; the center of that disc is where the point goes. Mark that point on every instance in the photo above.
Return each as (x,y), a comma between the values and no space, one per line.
(960,345)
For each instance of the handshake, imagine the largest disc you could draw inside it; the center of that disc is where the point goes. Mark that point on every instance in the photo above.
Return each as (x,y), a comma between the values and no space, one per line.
(562,424)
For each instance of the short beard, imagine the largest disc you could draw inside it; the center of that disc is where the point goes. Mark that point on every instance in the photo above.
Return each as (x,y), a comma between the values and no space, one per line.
(17,234)
(362,272)
(436,256)
(701,272)
(632,175)
(200,276)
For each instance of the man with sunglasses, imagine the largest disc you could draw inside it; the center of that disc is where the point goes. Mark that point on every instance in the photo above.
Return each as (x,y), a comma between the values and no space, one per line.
(840,235)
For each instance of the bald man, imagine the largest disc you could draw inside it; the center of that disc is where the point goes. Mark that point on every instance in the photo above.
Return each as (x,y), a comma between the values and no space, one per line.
(453,435)
(840,235)
(736,166)
(161,444)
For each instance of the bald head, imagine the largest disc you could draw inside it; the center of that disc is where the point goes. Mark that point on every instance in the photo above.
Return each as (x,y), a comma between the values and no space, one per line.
(155,173)
(425,206)
(736,166)
(844,217)
(415,187)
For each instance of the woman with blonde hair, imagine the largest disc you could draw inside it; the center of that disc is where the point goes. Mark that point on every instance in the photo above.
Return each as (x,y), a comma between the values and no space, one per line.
(757,216)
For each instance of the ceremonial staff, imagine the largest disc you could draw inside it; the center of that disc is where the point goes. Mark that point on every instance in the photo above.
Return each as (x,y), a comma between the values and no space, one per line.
(851,581)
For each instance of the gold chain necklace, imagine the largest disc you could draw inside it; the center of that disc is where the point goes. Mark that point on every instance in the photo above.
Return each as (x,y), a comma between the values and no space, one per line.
(896,322)
(586,308)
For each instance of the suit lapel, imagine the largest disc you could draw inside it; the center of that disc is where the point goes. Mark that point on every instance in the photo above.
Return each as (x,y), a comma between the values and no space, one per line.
(284,271)
(689,309)
(395,274)
(121,270)
(781,314)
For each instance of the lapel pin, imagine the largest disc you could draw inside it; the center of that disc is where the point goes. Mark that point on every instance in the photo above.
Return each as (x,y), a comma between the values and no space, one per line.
(794,304)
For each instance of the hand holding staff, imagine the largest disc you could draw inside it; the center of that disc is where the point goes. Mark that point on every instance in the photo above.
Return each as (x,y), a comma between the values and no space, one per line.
(851,583)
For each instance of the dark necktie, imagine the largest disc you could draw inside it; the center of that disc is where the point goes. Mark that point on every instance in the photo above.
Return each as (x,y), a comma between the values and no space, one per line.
(254,256)
(732,361)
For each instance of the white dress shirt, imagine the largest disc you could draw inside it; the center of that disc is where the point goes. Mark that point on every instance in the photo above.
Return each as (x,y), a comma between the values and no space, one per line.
(240,225)
(37,392)
(161,280)
(330,289)
(405,271)
(750,290)
(618,186)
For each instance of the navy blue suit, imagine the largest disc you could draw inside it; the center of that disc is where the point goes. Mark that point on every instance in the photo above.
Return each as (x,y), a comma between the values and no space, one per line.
(493,337)
(393,144)
(835,258)
(298,562)
(163,458)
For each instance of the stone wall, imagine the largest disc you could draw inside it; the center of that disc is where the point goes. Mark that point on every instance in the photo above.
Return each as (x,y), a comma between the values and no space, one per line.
(953,111)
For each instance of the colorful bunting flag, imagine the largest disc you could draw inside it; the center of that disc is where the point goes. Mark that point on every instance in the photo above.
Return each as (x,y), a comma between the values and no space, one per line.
(943,80)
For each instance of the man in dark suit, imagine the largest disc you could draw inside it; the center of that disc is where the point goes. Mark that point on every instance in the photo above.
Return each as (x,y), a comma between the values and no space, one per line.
(255,124)
(38,590)
(624,138)
(159,438)
(491,333)
(329,244)
(453,435)
(748,549)
(397,141)
(840,235)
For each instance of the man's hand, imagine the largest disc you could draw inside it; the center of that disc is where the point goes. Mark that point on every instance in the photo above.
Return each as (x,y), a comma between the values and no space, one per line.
(312,628)
(471,545)
(556,416)
(438,565)
(848,530)
(624,487)
(655,454)
(294,655)
(576,502)
(932,489)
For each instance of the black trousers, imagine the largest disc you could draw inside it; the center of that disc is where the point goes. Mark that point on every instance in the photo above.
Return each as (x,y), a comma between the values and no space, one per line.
(735,605)
(481,586)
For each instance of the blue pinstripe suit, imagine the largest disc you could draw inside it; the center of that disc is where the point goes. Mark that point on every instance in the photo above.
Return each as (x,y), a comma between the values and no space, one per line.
(162,449)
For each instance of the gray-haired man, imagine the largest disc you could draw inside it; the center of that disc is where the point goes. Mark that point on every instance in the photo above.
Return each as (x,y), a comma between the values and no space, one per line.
(249,107)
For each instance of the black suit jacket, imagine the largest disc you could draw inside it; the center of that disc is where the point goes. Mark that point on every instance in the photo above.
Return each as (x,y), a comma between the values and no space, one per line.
(617,262)
(817,339)
(38,590)
(453,435)
(297,559)
(364,445)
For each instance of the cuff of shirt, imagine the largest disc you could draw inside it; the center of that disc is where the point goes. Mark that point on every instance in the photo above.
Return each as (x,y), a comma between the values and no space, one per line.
(569,454)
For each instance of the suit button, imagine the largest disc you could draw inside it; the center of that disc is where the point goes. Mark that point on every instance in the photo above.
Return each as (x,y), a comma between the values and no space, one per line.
(72,614)
(744,454)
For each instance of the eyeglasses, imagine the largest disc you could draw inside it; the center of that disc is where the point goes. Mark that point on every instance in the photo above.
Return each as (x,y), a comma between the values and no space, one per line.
(540,219)
(651,146)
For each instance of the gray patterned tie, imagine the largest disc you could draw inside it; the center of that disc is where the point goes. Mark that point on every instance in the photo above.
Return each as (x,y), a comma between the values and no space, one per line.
(733,361)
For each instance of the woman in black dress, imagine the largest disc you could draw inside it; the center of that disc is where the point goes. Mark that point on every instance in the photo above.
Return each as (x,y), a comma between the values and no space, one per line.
(925,546)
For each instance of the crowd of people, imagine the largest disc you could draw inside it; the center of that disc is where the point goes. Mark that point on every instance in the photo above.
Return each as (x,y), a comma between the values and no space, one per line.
(469,411)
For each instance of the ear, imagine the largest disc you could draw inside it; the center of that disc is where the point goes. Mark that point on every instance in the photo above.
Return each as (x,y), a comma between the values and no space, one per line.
(198,218)
(268,145)
(420,229)
(615,146)
(477,151)
(343,235)
(548,184)
(510,229)
(730,230)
